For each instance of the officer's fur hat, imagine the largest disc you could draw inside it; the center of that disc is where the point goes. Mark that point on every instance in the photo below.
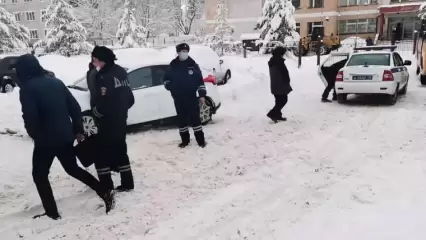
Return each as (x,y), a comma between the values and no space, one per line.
(104,54)
(182,47)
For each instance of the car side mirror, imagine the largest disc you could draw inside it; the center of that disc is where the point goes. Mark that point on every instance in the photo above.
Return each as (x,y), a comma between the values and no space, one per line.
(407,63)
(220,61)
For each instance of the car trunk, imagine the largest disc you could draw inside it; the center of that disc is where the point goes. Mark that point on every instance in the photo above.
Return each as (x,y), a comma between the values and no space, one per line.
(330,67)
(364,73)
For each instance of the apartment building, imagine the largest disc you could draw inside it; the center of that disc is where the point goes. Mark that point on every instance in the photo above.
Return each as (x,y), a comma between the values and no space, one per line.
(342,17)
(400,15)
(28,13)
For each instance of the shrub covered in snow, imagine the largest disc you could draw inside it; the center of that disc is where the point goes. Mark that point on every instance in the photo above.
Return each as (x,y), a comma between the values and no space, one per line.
(65,34)
(277,22)
(129,33)
(13,36)
(349,43)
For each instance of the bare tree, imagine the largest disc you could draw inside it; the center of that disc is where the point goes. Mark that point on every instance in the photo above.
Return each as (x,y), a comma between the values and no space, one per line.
(185,14)
(152,15)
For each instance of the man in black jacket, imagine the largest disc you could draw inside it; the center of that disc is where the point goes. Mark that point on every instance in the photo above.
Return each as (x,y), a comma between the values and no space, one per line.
(111,103)
(183,80)
(280,83)
(47,106)
(91,80)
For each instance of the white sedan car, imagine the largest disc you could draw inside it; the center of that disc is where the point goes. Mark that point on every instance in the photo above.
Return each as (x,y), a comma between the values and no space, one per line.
(366,73)
(152,101)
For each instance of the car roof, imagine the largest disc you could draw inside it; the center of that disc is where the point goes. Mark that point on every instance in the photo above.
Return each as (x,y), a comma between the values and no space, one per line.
(371,52)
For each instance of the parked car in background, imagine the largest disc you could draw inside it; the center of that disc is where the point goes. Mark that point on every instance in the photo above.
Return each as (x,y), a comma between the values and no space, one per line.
(367,71)
(153,102)
(8,75)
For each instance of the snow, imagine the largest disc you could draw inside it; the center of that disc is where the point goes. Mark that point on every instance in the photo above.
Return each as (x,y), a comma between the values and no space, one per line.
(250,36)
(332,172)
(349,43)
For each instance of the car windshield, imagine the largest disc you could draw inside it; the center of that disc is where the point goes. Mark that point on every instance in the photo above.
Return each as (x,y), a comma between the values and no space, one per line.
(380,59)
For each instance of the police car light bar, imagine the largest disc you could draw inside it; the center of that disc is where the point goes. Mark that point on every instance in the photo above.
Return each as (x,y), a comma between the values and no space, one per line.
(380,47)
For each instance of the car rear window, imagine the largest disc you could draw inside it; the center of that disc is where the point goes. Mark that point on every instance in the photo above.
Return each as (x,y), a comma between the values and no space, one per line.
(380,59)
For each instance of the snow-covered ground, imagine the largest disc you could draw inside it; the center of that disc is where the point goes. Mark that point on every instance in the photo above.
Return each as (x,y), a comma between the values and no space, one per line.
(332,172)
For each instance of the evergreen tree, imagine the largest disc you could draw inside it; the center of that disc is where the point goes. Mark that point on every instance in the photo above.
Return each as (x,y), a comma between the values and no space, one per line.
(65,35)
(221,25)
(12,34)
(129,33)
(277,22)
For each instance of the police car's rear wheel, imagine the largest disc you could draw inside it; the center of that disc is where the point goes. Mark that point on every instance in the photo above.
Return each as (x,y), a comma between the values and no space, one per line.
(89,125)
(392,99)
(206,111)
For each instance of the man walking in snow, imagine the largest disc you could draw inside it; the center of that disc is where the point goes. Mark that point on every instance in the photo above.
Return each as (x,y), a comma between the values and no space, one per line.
(183,80)
(280,83)
(47,107)
(111,103)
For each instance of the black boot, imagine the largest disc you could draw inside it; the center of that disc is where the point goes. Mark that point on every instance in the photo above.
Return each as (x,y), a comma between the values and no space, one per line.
(54,216)
(127,183)
(199,136)
(325,100)
(109,200)
(185,139)
(272,117)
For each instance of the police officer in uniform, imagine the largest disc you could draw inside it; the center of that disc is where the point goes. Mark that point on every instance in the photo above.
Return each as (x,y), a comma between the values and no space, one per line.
(111,103)
(184,79)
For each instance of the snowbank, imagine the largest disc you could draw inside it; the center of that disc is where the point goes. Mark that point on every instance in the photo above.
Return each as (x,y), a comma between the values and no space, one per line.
(349,43)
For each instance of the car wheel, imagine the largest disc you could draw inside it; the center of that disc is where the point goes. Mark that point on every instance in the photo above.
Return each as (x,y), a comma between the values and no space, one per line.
(423,79)
(392,99)
(323,50)
(341,98)
(89,124)
(206,111)
(404,89)
(7,88)
(227,77)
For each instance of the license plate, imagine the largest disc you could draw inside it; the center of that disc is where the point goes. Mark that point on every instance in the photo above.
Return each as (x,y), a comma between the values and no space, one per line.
(362,77)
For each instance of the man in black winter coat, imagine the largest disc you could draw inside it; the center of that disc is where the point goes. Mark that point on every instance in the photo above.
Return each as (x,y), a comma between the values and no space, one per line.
(91,80)
(111,102)
(330,74)
(47,107)
(280,83)
(184,79)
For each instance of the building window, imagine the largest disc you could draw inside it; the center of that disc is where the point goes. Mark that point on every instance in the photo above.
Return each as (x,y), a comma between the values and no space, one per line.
(316,3)
(14,1)
(43,12)
(298,28)
(34,34)
(357,26)
(312,25)
(18,17)
(296,3)
(2,2)
(30,16)
(345,3)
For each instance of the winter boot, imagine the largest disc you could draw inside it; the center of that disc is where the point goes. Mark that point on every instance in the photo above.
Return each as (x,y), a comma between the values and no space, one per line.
(54,216)
(127,183)
(109,200)
(185,139)
(282,119)
(199,136)
(272,117)
(325,100)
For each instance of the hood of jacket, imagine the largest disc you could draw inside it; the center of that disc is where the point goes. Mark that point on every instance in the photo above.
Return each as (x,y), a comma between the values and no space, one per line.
(28,67)
(275,60)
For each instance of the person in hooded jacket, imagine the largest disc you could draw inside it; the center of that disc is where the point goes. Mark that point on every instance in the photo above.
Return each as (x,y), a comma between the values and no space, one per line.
(52,118)
(280,83)
(184,79)
(112,100)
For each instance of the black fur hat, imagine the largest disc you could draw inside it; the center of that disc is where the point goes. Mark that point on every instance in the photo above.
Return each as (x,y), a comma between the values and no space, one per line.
(181,47)
(104,54)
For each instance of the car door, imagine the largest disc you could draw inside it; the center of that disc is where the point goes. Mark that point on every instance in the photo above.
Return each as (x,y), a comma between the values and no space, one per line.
(398,70)
(405,73)
(166,105)
(145,91)
(331,65)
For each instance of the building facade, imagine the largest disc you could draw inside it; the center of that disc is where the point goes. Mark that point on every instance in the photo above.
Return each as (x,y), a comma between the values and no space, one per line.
(28,13)
(342,17)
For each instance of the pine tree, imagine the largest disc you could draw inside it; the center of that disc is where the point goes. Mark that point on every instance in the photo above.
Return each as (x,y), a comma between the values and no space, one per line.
(221,25)
(129,33)
(277,22)
(12,34)
(65,35)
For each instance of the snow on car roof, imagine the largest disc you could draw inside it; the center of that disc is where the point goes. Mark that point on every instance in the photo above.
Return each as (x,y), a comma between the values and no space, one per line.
(371,52)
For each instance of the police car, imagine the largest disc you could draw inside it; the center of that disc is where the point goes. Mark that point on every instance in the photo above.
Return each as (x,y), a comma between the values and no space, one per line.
(368,70)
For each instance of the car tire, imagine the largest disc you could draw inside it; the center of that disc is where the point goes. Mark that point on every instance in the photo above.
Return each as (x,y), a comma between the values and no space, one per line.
(227,77)
(341,98)
(423,79)
(206,111)
(392,99)
(89,124)
(322,50)
(404,89)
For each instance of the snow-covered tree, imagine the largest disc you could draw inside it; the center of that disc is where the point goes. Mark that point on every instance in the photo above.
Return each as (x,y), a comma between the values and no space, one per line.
(129,33)
(221,25)
(277,23)
(12,34)
(184,15)
(65,35)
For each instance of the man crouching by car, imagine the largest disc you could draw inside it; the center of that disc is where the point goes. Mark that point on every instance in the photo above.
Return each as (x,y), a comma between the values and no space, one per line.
(111,103)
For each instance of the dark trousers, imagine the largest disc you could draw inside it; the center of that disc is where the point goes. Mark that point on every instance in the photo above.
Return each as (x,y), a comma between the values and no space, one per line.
(114,154)
(188,112)
(280,102)
(43,157)
(327,90)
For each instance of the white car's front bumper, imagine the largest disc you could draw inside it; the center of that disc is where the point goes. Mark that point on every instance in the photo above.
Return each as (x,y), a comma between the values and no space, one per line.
(366,87)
